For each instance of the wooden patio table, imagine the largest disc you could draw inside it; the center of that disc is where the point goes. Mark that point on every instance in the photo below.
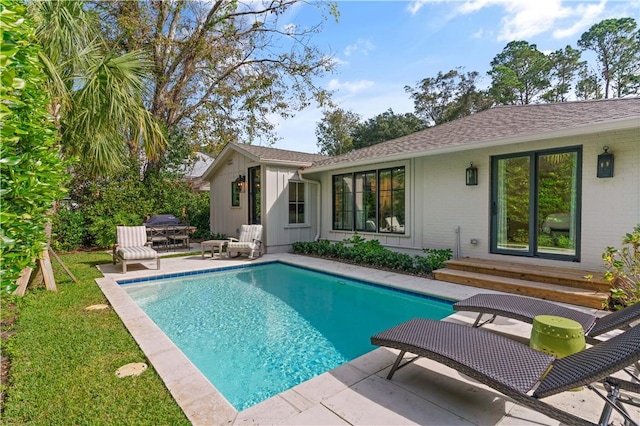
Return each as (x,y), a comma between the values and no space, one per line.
(219,244)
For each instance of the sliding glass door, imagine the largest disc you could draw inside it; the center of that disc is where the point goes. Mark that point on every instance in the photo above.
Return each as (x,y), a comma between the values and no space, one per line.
(535,203)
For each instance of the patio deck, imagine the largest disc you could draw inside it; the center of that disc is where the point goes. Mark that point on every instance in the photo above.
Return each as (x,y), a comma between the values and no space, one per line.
(355,393)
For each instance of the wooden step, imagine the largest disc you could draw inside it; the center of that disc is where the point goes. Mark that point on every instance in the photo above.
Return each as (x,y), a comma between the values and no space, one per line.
(552,292)
(543,274)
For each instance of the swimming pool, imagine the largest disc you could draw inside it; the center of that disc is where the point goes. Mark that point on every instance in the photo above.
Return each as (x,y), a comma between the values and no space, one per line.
(256,331)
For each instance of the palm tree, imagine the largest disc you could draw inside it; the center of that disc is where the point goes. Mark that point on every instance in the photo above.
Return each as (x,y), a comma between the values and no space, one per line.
(97,93)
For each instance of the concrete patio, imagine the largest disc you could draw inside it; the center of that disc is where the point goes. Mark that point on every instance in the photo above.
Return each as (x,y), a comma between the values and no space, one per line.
(355,393)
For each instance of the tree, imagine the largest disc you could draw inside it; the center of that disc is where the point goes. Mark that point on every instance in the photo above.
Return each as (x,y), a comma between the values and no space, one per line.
(448,96)
(588,86)
(32,174)
(96,93)
(335,131)
(616,43)
(384,127)
(222,69)
(520,73)
(565,64)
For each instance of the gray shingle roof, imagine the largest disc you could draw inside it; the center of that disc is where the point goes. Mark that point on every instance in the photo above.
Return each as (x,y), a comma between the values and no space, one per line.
(503,122)
(266,154)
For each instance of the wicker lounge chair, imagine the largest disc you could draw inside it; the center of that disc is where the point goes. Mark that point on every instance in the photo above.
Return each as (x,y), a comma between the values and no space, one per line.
(527,308)
(132,246)
(249,241)
(515,370)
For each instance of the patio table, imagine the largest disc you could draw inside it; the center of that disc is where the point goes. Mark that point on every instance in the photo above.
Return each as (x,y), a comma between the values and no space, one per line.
(219,244)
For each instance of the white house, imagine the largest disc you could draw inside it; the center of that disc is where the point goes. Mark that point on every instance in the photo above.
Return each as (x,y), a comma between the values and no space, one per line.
(552,184)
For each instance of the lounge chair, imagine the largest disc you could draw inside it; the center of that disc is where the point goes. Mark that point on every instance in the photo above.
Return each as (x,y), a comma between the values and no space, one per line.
(527,308)
(517,371)
(132,246)
(249,241)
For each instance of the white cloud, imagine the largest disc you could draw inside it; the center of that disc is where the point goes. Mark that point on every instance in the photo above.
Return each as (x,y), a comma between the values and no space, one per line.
(414,6)
(361,45)
(289,29)
(588,15)
(336,61)
(524,19)
(350,87)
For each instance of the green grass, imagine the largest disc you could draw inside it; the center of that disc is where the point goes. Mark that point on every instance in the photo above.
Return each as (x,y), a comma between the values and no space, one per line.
(64,358)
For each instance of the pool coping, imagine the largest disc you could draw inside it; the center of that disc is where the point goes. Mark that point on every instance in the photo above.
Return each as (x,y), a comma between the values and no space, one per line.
(201,402)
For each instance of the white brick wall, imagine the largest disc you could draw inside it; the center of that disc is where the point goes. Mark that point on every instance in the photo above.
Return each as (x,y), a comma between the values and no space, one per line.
(610,207)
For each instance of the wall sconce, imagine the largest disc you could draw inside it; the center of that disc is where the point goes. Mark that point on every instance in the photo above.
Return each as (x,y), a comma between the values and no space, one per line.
(471,175)
(605,164)
(240,180)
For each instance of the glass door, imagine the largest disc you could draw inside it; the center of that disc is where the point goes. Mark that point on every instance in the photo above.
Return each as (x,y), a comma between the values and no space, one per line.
(535,204)
(512,204)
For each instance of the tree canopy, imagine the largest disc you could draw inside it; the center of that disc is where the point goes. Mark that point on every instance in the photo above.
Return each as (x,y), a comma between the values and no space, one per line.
(616,43)
(520,74)
(222,69)
(335,131)
(96,92)
(384,127)
(448,96)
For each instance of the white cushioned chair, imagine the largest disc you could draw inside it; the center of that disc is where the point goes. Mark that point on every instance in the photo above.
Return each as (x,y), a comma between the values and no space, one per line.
(132,246)
(249,241)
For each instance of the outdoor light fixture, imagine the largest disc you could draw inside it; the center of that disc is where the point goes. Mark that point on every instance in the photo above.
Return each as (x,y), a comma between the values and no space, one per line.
(472,175)
(605,164)
(240,180)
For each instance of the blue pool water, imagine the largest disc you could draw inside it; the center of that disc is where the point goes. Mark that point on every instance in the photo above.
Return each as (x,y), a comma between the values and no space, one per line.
(257,331)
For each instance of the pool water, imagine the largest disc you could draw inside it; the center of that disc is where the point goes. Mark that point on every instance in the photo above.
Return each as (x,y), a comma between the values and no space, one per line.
(257,331)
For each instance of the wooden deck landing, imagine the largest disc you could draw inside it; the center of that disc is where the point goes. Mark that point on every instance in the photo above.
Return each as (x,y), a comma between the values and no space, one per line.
(564,285)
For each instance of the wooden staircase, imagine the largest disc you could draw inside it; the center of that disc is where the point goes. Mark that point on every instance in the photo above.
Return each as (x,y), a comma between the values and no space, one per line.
(552,283)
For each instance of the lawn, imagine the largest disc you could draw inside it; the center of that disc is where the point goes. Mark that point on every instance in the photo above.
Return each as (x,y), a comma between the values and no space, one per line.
(64,358)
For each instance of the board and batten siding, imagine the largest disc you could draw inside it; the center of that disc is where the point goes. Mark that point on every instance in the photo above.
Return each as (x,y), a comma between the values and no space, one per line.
(276,210)
(226,219)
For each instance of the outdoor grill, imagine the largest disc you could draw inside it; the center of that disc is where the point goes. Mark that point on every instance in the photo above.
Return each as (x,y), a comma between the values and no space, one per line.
(163,219)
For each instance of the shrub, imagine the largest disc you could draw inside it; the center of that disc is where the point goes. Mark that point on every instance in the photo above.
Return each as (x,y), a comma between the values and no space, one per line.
(125,199)
(32,174)
(360,251)
(68,230)
(437,257)
(623,269)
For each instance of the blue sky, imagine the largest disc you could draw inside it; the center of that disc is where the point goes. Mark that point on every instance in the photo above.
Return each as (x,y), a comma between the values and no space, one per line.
(382,46)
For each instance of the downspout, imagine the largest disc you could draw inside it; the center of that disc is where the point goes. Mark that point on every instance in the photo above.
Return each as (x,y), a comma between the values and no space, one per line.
(297,178)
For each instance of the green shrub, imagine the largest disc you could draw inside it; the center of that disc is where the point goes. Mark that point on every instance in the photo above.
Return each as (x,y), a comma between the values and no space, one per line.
(438,257)
(69,231)
(371,253)
(623,269)
(125,199)
(32,175)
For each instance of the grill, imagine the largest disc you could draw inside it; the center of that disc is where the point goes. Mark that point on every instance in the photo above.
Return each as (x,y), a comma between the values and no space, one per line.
(163,219)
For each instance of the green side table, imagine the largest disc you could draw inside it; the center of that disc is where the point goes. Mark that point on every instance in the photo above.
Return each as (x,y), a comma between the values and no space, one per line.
(557,336)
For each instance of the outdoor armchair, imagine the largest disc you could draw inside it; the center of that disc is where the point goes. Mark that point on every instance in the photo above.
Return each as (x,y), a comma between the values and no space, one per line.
(249,241)
(514,369)
(132,246)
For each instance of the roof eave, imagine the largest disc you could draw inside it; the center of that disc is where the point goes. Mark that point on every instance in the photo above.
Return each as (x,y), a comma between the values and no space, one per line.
(605,126)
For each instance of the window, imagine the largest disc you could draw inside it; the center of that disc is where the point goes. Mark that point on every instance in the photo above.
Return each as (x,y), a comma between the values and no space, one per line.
(391,200)
(343,202)
(235,194)
(296,202)
(370,201)
(366,201)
